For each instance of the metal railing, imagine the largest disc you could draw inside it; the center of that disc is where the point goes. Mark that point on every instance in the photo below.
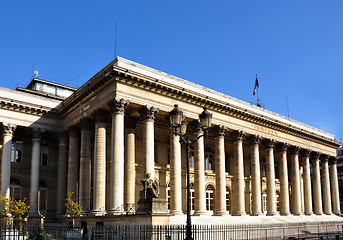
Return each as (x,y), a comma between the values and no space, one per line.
(58,231)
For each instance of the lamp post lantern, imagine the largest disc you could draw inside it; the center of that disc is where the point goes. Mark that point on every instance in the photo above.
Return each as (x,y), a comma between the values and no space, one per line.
(180,126)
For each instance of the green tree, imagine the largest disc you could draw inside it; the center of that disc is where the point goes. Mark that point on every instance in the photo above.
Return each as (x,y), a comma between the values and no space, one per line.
(17,209)
(73,208)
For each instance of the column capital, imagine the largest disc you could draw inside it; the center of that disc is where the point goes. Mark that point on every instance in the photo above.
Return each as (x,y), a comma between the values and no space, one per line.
(118,106)
(332,160)
(315,155)
(306,152)
(100,115)
(254,139)
(148,113)
(294,150)
(269,143)
(8,128)
(219,130)
(63,137)
(195,124)
(238,135)
(37,133)
(86,124)
(282,147)
(73,131)
(130,123)
(324,158)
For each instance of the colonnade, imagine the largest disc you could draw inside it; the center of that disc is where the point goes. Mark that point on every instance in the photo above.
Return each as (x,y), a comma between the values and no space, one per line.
(122,173)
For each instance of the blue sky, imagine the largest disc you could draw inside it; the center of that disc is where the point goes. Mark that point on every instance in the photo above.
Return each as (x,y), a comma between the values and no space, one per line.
(295,47)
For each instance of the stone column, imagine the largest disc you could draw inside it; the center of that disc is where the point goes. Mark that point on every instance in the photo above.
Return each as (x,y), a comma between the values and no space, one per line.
(334,186)
(34,177)
(326,185)
(220,200)
(8,130)
(284,190)
(296,194)
(255,175)
(99,175)
(317,192)
(238,203)
(175,175)
(129,165)
(117,155)
(307,182)
(62,174)
(85,164)
(148,116)
(270,171)
(199,173)
(73,158)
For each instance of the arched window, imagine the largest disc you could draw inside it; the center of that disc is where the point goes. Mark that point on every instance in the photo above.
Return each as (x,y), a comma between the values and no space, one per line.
(209,197)
(43,198)
(209,164)
(264,201)
(192,196)
(168,196)
(228,199)
(15,189)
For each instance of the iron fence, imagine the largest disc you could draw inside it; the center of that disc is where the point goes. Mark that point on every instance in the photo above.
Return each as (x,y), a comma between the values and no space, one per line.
(59,231)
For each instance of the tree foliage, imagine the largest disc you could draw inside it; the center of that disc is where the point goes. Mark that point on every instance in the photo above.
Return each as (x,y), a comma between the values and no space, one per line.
(73,208)
(17,209)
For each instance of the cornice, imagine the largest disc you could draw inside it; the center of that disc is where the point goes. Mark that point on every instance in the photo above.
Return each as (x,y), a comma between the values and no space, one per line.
(31,109)
(122,75)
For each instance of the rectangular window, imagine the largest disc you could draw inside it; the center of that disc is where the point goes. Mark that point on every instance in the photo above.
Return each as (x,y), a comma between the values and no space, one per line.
(208,161)
(191,164)
(192,199)
(43,198)
(17,152)
(44,155)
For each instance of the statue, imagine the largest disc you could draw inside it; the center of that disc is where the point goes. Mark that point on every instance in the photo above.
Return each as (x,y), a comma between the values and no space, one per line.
(150,190)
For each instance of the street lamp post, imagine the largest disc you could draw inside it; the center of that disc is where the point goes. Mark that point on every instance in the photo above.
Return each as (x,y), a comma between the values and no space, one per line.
(180,126)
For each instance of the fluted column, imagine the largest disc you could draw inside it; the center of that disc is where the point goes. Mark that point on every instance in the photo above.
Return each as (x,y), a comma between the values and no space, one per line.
(326,185)
(255,175)
(199,173)
(148,116)
(129,165)
(307,182)
(99,176)
(284,190)
(85,164)
(34,177)
(73,158)
(117,155)
(7,135)
(175,175)
(220,200)
(317,192)
(238,206)
(296,194)
(270,171)
(334,186)
(61,174)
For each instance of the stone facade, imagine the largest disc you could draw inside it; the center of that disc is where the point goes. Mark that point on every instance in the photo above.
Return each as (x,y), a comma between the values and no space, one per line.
(102,140)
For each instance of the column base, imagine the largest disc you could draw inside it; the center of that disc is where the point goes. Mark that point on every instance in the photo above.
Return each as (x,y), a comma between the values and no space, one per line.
(176,212)
(297,213)
(240,213)
(34,214)
(272,213)
(200,213)
(328,213)
(318,213)
(308,213)
(285,213)
(115,212)
(221,213)
(256,214)
(97,213)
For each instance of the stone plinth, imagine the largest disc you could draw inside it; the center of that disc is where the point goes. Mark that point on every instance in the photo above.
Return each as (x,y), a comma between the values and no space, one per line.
(151,206)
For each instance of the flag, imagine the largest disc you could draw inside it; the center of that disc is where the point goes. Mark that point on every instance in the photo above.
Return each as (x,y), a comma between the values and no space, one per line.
(256,86)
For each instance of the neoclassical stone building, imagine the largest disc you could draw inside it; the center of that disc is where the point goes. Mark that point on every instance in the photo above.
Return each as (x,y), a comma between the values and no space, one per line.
(100,140)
